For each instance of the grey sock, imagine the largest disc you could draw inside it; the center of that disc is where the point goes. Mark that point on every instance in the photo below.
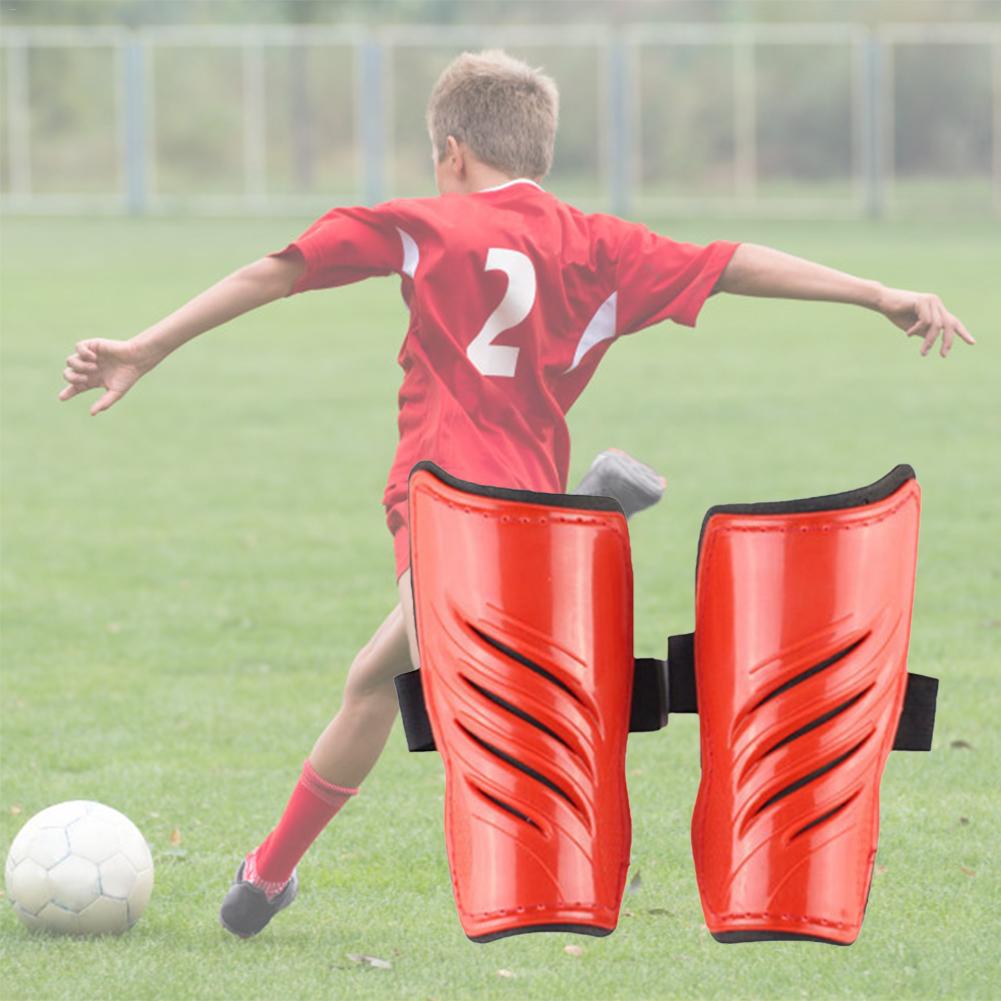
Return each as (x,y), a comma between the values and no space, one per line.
(632,483)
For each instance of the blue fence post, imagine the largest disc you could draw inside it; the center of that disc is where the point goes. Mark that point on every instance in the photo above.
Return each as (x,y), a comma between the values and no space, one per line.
(134,103)
(873,127)
(619,126)
(372,118)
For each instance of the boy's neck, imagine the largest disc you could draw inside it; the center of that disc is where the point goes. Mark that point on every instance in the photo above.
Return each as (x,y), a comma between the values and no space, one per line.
(480,176)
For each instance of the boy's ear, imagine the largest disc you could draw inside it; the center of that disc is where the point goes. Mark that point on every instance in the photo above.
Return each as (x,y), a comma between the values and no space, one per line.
(455,156)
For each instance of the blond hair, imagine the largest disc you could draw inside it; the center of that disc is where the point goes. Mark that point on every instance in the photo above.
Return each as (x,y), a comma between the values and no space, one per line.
(501,108)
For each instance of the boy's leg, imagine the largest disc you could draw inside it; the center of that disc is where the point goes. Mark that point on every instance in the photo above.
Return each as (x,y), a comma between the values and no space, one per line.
(407,605)
(350,745)
(341,757)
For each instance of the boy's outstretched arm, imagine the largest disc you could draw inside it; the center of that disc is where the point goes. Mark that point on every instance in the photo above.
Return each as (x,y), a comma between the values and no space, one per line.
(116,366)
(757,270)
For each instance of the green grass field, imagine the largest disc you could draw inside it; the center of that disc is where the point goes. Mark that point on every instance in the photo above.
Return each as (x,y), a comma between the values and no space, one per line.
(187,577)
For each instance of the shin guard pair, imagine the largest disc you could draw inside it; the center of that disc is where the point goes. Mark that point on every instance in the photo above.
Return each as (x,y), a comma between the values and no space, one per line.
(528,687)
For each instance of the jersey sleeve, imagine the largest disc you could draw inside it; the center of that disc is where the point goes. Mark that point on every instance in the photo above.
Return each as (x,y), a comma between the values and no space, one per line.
(345,246)
(659,279)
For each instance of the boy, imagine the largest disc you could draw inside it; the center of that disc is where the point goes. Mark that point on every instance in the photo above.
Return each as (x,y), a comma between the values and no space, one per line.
(514,298)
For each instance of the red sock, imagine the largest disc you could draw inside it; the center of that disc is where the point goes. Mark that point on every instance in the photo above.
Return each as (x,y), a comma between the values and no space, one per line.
(312,806)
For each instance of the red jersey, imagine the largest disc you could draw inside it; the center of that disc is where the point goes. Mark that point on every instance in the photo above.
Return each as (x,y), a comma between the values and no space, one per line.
(514,298)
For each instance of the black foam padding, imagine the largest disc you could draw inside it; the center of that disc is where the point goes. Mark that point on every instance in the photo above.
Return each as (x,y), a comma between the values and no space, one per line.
(531,929)
(578,502)
(734,937)
(859,497)
(916,725)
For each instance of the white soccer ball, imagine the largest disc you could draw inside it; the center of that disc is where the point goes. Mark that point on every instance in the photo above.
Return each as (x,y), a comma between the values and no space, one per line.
(80,868)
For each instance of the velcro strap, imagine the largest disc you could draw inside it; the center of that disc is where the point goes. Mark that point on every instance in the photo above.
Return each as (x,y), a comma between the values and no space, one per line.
(416,724)
(917,717)
(914,727)
(681,673)
(660,688)
(647,712)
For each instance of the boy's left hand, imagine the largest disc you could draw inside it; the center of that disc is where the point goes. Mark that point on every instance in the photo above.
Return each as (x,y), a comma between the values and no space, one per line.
(922,314)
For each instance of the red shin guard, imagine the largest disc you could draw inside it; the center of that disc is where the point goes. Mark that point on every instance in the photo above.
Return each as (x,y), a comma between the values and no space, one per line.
(523,605)
(802,623)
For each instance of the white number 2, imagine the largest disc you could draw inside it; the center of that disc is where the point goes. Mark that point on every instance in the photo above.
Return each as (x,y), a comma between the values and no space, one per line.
(500,359)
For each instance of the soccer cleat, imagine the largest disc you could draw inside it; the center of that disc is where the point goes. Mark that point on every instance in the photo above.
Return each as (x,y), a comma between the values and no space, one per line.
(617,474)
(246,908)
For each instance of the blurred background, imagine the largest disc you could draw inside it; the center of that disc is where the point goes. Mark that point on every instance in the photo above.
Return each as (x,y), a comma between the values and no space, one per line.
(783,109)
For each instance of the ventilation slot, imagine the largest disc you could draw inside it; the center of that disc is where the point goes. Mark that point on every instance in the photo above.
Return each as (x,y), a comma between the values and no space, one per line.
(515,711)
(507,807)
(520,765)
(811,671)
(810,777)
(524,661)
(825,816)
(819,721)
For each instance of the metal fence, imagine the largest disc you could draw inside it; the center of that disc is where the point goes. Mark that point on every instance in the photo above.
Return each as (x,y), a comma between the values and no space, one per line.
(817,120)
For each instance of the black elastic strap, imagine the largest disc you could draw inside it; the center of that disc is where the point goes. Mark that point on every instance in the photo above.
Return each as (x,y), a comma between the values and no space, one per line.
(647,711)
(660,688)
(681,673)
(917,716)
(416,724)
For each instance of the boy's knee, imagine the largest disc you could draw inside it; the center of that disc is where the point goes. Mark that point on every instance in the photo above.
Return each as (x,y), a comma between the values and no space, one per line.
(368,677)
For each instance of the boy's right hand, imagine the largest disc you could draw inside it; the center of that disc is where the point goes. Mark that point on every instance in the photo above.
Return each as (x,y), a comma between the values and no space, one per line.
(114,366)
(922,314)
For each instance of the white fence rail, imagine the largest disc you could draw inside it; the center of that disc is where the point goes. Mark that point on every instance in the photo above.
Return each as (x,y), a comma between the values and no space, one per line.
(685,119)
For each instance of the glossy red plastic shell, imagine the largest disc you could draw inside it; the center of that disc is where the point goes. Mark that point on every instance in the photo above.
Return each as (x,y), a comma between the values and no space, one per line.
(802,626)
(525,631)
